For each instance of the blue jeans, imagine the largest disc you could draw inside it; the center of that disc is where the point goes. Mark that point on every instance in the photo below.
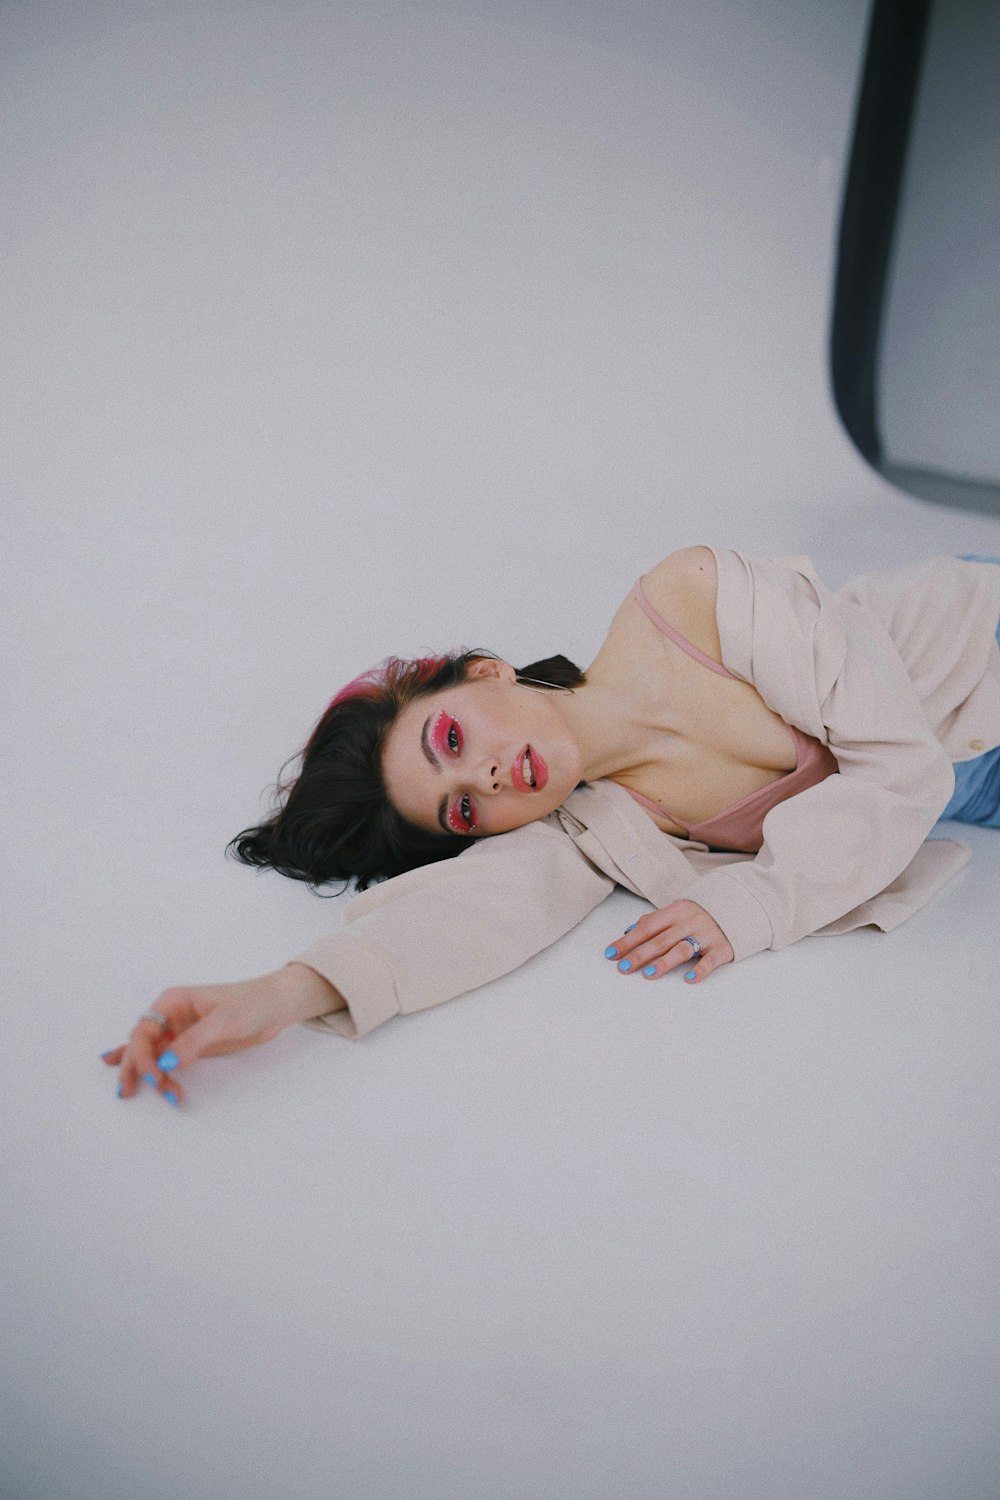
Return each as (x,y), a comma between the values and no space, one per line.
(976,798)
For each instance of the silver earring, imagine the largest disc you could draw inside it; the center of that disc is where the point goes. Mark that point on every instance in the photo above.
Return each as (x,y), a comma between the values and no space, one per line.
(528,682)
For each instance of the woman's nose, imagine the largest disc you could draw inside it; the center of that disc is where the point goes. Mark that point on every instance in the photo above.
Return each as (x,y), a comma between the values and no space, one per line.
(489,777)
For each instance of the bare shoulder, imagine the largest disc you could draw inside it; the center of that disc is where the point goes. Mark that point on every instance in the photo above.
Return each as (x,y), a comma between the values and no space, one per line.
(691,570)
(683,588)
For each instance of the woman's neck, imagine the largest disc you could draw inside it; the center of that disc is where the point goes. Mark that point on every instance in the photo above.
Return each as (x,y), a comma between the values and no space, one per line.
(609,726)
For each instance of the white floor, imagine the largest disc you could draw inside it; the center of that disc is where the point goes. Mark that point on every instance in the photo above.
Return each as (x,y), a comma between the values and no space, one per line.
(335,331)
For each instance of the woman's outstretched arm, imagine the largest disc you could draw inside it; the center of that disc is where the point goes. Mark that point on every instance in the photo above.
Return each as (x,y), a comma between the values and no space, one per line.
(406,944)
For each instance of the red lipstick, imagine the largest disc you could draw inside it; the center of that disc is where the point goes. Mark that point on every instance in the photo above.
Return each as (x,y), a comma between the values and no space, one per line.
(538,769)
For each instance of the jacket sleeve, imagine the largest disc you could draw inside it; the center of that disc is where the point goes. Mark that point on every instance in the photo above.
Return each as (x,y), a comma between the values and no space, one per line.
(829,666)
(438,931)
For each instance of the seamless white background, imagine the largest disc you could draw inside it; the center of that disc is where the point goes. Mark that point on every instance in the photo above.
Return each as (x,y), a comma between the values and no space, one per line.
(338,330)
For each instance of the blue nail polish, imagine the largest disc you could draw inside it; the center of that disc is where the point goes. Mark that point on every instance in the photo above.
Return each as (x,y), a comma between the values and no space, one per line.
(168,1061)
(690,974)
(169,1094)
(649,969)
(611,953)
(632,928)
(120,1092)
(150,1080)
(625,965)
(108,1053)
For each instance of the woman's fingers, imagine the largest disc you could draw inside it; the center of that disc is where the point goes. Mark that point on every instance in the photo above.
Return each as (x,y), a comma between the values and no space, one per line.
(657,943)
(207,1037)
(132,1079)
(681,955)
(138,1060)
(202,1021)
(128,1079)
(171,1089)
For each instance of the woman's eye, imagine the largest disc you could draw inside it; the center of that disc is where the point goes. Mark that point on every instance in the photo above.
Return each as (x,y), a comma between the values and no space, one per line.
(465,810)
(454,741)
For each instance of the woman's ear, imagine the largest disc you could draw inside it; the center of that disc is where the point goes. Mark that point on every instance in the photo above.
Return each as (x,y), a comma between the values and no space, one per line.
(490,666)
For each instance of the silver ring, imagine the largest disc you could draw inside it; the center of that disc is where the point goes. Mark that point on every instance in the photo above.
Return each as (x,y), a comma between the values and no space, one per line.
(695,946)
(154,1015)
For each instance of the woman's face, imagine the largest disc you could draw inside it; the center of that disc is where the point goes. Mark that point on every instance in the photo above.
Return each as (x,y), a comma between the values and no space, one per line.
(480,758)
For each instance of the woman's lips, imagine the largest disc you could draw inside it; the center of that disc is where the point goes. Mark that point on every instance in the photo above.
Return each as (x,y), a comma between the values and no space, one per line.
(538,768)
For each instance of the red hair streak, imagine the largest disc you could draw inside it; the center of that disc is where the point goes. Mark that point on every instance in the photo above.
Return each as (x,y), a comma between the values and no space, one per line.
(392,672)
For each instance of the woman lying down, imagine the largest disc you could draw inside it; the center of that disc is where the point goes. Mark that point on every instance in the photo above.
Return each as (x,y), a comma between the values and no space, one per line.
(754,755)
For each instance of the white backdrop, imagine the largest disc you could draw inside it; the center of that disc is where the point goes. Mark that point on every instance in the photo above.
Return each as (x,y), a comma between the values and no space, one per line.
(338,330)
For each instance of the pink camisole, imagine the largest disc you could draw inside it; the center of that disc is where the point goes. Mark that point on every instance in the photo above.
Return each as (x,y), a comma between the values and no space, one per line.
(741,827)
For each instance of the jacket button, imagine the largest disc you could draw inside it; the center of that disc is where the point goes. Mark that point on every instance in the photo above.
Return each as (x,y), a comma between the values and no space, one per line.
(977,744)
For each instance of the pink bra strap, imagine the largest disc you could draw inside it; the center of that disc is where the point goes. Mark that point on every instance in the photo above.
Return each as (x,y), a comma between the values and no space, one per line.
(675,635)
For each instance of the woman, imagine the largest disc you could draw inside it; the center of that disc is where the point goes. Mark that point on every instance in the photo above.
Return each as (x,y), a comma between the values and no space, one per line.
(756,756)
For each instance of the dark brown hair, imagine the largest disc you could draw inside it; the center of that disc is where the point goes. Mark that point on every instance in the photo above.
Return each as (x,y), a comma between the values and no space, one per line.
(334,820)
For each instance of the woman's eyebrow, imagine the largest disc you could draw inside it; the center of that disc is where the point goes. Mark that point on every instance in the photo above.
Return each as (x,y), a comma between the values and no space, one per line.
(425,747)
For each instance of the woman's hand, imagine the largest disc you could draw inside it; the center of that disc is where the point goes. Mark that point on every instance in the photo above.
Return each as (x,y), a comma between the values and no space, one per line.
(211,1019)
(656,943)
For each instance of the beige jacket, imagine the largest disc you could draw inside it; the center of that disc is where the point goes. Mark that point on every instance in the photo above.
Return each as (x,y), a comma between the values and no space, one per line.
(899,673)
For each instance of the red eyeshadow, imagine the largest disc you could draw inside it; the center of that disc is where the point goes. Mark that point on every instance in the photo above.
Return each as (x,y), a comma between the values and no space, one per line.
(439,734)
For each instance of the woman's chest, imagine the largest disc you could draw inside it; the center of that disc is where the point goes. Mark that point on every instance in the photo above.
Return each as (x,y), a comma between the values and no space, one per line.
(705,741)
